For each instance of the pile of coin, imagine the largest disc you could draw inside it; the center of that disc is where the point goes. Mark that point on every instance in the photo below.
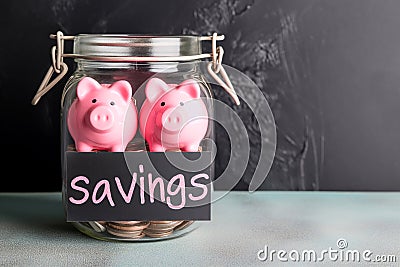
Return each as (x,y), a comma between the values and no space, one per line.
(127,229)
(139,229)
(161,228)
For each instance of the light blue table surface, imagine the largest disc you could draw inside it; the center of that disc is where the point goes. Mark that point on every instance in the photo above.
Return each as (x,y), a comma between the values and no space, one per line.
(33,231)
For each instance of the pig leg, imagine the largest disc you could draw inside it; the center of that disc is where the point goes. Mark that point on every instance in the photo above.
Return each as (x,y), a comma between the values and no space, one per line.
(155,147)
(83,147)
(118,148)
(191,148)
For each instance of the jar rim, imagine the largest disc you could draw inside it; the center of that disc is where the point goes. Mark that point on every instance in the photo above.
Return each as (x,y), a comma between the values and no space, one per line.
(133,35)
(136,45)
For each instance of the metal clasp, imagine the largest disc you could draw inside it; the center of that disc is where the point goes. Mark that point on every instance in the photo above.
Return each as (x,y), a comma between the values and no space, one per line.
(215,67)
(58,66)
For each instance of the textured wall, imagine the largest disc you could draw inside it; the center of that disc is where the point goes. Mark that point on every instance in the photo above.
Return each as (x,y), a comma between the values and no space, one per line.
(329,69)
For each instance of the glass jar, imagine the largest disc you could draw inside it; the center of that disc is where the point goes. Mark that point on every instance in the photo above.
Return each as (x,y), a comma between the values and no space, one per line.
(134,99)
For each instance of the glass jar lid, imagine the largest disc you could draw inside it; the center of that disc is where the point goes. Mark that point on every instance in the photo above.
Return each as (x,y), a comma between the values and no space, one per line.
(109,45)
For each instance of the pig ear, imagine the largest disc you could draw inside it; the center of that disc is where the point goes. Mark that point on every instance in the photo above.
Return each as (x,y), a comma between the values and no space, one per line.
(86,85)
(155,88)
(123,88)
(191,87)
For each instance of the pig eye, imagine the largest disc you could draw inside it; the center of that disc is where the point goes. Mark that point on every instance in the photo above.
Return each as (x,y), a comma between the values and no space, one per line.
(162,104)
(112,103)
(181,103)
(94,100)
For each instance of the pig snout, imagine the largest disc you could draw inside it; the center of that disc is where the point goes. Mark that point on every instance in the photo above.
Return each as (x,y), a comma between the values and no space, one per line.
(101,118)
(172,120)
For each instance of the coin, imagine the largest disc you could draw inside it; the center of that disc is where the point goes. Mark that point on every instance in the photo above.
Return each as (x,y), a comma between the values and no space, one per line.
(173,150)
(71,148)
(160,230)
(200,149)
(128,227)
(136,145)
(123,232)
(160,222)
(163,223)
(163,226)
(126,234)
(97,226)
(155,234)
(126,222)
(183,225)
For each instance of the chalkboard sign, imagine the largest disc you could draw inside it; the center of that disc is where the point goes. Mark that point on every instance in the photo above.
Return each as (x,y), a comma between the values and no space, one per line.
(126,186)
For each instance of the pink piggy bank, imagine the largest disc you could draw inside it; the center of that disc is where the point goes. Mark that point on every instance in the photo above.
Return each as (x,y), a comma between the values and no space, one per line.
(103,116)
(173,116)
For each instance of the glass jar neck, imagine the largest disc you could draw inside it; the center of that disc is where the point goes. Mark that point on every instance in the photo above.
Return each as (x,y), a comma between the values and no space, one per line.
(157,67)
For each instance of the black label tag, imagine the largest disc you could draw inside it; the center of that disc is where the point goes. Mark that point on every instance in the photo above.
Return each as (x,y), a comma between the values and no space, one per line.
(130,186)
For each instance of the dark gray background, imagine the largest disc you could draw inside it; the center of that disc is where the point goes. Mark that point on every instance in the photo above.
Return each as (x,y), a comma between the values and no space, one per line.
(330,71)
